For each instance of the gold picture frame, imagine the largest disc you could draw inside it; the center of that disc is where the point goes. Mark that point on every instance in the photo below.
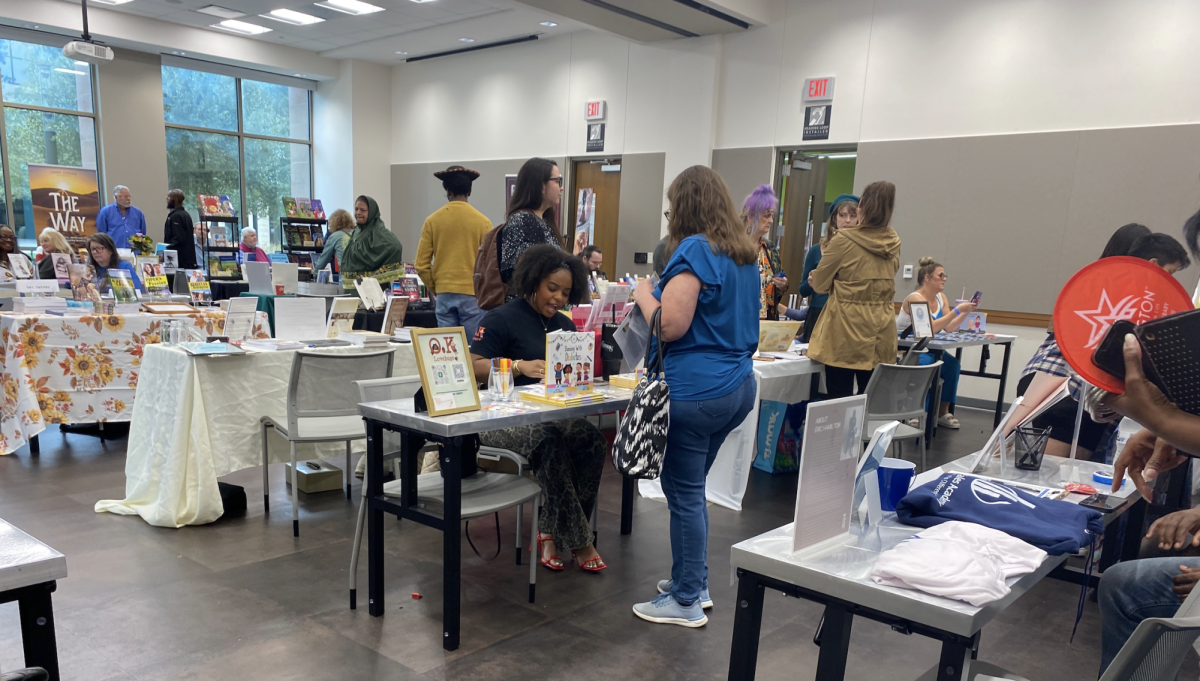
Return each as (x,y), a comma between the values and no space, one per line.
(169,308)
(444,363)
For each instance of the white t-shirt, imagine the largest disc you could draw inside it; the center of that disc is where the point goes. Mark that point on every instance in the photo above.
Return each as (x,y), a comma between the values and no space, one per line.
(963,561)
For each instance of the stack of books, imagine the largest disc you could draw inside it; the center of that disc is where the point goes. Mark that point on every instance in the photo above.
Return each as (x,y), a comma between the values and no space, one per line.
(365,339)
(537,393)
(272,345)
(38,305)
(628,381)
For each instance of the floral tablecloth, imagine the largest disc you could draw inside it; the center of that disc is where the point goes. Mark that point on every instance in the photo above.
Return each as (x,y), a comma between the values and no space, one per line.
(78,369)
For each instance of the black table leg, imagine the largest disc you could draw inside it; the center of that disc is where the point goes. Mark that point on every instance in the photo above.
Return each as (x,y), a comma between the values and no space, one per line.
(451,541)
(932,409)
(37,627)
(1135,525)
(35,446)
(955,659)
(628,486)
(835,643)
(1003,384)
(374,484)
(747,625)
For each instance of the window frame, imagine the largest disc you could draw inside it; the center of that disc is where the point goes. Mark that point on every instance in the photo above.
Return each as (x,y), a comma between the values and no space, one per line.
(94,114)
(242,136)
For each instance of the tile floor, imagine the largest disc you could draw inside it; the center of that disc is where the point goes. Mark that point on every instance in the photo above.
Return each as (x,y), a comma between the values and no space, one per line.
(242,599)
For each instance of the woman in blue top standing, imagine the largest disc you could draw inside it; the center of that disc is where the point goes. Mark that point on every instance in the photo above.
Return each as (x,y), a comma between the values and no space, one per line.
(842,214)
(709,295)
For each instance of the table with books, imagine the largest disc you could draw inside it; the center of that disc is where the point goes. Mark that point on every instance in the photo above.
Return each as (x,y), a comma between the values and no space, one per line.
(838,575)
(78,368)
(529,406)
(197,419)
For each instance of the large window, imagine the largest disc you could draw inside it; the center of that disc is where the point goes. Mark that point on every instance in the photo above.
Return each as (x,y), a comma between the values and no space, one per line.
(245,139)
(48,119)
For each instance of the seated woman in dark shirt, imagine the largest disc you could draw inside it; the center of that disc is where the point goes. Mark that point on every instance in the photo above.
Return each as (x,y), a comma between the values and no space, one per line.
(567,456)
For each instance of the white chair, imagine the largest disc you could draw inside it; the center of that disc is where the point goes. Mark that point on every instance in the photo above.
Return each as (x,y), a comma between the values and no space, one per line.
(897,393)
(482,494)
(322,406)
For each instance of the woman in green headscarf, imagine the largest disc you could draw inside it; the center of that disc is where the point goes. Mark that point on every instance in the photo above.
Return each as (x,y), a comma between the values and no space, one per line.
(373,250)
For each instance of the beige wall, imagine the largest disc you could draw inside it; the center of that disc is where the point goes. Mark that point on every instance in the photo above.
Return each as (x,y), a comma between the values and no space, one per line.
(744,169)
(640,217)
(132,135)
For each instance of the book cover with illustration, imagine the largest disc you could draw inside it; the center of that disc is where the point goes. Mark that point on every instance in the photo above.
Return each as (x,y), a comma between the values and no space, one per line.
(569,356)
(83,283)
(410,288)
(121,283)
(210,206)
(776,336)
(22,267)
(289,207)
(318,237)
(341,316)
(293,236)
(318,210)
(199,287)
(158,287)
(303,259)
(305,207)
(227,266)
(226,206)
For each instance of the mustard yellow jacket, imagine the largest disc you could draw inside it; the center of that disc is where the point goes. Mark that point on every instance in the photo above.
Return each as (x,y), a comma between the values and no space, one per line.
(857,328)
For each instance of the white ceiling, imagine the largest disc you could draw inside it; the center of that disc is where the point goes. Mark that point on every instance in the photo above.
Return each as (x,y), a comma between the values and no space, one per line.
(417,28)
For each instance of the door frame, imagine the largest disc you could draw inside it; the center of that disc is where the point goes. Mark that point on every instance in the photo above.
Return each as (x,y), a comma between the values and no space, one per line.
(777,177)
(601,159)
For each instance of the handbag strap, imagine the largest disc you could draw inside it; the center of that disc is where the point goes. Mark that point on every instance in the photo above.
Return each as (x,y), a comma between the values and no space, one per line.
(656,338)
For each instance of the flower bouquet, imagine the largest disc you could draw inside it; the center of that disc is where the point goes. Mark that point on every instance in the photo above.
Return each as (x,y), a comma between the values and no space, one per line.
(142,244)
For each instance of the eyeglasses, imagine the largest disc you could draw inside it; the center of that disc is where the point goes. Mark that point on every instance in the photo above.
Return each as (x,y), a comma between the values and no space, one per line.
(943,276)
(558,179)
(667,214)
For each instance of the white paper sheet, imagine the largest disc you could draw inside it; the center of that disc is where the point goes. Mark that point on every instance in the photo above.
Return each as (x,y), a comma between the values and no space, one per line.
(828,462)
(259,276)
(285,277)
(299,319)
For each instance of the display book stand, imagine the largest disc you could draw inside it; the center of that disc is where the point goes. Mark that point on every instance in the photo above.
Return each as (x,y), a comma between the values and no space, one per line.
(230,229)
(299,239)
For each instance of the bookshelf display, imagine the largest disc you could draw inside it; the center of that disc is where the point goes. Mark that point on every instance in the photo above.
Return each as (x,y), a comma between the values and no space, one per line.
(221,247)
(303,239)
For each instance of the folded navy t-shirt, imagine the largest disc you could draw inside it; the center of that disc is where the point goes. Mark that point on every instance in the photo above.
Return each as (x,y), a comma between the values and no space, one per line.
(1056,527)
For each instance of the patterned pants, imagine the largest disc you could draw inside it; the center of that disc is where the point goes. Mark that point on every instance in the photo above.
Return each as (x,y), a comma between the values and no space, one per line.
(568,458)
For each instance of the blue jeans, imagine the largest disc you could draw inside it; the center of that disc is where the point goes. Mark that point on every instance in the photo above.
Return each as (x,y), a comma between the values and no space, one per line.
(458,309)
(1131,592)
(951,368)
(697,431)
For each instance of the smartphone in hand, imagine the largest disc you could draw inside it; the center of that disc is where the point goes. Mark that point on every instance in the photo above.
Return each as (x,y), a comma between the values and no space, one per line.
(977,297)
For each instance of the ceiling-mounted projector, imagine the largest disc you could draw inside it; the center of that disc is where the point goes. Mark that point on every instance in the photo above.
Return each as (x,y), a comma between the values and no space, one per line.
(88,52)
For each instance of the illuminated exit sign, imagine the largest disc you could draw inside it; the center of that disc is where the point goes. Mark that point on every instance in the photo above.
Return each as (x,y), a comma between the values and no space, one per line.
(818,89)
(594,110)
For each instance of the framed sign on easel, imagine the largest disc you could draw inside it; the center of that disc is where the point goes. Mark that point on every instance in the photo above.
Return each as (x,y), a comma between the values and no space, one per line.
(444,362)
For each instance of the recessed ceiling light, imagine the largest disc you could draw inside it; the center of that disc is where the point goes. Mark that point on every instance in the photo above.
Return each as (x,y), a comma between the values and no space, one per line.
(178,53)
(549,24)
(350,6)
(71,72)
(242,27)
(112,2)
(290,16)
(419,2)
(80,63)
(466,40)
(401,52)
(298,75)
(219,11)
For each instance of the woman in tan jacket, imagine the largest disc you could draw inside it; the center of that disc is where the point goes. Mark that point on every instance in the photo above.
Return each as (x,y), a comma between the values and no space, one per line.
(857,329)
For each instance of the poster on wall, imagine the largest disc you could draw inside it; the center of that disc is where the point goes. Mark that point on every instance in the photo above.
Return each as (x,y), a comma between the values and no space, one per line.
(66,199)
(510,188)
(816,121)
(595,137)
(585,219)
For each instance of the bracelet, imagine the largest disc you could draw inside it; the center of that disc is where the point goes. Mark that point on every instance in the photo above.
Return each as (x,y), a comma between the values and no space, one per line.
(956,310)
(517,368)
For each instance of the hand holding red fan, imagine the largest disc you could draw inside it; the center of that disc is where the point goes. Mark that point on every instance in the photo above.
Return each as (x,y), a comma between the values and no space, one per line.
(1108,290)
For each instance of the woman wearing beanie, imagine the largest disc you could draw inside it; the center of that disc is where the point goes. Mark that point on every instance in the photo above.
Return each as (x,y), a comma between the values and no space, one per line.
(758,212)
(843,213)
(858,270)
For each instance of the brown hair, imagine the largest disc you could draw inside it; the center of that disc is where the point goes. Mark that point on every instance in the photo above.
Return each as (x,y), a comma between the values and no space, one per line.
(831,228)
(340,220)
(701,204)
(878,201)
(927,267)
(106,241)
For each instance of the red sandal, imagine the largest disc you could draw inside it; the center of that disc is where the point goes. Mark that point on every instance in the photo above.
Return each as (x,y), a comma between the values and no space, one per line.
(553,563)
(595,564)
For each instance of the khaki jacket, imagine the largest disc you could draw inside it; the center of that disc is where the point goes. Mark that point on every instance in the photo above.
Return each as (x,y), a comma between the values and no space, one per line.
(857,329)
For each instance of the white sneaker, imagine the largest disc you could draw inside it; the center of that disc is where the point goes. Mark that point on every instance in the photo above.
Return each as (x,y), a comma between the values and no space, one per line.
(666,610)
(664,587)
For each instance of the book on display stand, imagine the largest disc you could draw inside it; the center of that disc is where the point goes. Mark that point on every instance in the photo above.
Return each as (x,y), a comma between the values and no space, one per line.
(220,249)
(302,230)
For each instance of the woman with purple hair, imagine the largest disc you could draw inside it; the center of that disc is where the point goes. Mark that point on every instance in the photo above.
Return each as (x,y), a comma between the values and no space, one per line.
(758,212)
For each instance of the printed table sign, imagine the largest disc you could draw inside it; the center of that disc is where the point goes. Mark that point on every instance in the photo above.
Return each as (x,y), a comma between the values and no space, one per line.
(444,362)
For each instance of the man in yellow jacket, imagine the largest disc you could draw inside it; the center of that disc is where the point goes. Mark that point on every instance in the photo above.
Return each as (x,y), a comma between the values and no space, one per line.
(446,254)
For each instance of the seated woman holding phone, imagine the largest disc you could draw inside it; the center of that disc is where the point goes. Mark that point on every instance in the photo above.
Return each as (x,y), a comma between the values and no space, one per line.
(931,282)
(567,456)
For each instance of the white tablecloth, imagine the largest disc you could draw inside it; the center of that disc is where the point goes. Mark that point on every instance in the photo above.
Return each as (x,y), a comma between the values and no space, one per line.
(781,381)
(197,418)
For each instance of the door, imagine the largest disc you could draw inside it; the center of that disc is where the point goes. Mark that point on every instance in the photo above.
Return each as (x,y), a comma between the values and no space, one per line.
(598,214)
(802,189)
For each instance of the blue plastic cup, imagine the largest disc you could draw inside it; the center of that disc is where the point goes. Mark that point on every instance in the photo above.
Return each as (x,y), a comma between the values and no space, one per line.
(895,475)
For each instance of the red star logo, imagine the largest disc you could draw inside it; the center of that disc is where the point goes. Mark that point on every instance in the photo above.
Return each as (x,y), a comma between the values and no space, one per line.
(1106,313)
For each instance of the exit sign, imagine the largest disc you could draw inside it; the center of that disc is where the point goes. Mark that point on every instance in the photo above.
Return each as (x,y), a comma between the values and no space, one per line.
(594,110)
(818,89)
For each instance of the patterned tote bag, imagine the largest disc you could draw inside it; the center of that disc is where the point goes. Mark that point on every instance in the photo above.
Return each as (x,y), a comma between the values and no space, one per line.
(642,438)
